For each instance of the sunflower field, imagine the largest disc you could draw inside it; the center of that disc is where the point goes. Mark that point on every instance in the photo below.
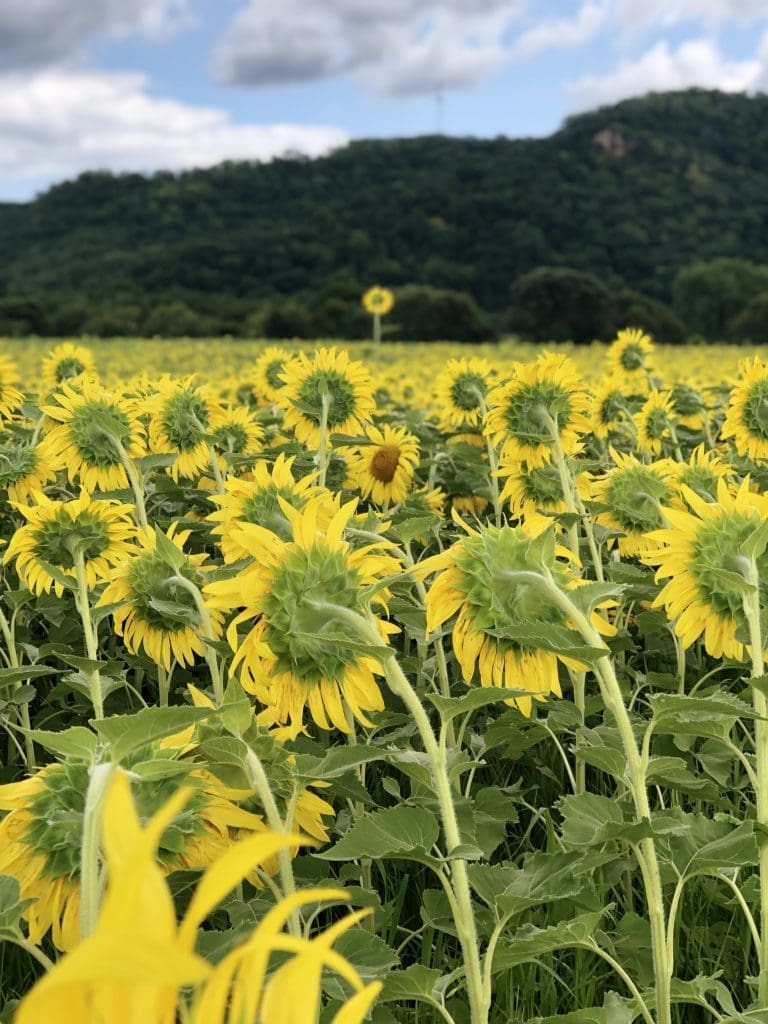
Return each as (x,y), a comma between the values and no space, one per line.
(383,683)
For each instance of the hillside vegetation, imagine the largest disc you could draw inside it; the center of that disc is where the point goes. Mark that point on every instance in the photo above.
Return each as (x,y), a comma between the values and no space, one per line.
(631,195)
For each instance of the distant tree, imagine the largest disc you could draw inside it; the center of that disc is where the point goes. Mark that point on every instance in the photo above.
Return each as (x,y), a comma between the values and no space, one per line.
(21,316)
(282,318)
(653,316)
(121,320)
(707,296)
(431,314)
(561,304)
(177,320)
(751,324)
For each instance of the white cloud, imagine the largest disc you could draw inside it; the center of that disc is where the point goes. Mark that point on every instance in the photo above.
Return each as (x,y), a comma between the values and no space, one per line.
(57,122)
(697,62)
(38,32)
(635,16)
(562,33)
(400,47)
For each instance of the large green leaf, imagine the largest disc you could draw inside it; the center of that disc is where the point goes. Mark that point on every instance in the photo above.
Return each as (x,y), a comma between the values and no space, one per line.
(529,942)
(394,832)
(126,733)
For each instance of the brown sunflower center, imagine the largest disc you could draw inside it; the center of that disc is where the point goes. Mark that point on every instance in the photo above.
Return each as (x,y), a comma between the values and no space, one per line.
(384,463)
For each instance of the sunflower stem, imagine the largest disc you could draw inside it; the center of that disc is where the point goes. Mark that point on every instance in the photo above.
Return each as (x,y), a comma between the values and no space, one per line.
(322,447)
(214,460)
(493,463)
(760,703)
(26,724)
(257,777)
(207,633)
(90,854)
(133,478)
(29,947)
(663,961)
(83,603)
(377,328)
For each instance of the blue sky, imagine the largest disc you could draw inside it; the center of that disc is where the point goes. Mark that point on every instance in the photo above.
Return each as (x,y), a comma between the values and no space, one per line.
(140,85)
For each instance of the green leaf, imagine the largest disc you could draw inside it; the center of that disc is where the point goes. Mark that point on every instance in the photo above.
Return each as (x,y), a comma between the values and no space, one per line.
(9,676)
(544,878)
(477,697)
(608,760)
(414,527)
(336,762)
(529,942)
(394,832)
(586,816)
(11,905)
(416,983)
(736,849)
(77,742)
(755,544)
(126,733)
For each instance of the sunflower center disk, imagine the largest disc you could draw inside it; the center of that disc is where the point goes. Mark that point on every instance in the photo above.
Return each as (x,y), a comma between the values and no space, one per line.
(385,462)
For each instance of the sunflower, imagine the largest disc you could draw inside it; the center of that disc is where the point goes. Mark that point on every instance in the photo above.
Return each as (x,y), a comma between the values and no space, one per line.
(67,362)
(24,468)
(383,470)
(690,407)
(378,300)
(89,421)
(234,432)
(631,355)
(746,420)
(460,393)
(41,835)
(476,580)
(102,530)
(701,473)
(295,654)
(255,498)
(632,495)
(655,422)
(268,380)
(701,552)
(542,397)
(10,396)
(330,373)
(609,408)
(535,493)
(155,613)
(469,504)
(180,421)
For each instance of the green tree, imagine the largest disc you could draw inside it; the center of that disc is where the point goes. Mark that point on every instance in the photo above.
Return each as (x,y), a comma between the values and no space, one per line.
(422,313)
(751,324)
(561,304)
(707,296)
(653,316)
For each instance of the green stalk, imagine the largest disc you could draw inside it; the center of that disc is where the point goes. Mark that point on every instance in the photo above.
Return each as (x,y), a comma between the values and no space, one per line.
(257,777)
(26,724)
(646,848)
(207,634)
(377,328)
(91,639)
(322,448)
(493,465)
(90,854)
(752,612)
(133,478)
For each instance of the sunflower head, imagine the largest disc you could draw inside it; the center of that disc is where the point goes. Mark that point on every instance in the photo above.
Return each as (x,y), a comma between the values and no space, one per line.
(378,300)
(10,396)
(746,420)
(67,362)
(58,533)
(655,422)
(633,494)
(268,373)
(544,400)
(709,555)
(24,468)
(460,393)
(700,474)
(631,353)
(234,433)
(330,379)
(383,469)
(181,419)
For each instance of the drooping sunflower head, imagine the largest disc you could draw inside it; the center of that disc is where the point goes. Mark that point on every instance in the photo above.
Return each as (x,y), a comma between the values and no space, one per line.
(631,353)
(383,470)
(234,432)
(95,430)
(296,654)
(701,474)
(655,422)
(531,492)
(67,362)
(268,373)
(610,407)
(41,837)
(746,420)
(460,393)
(179,425)
(10,396)
(633,494)
(543,401)
(256,498)
(689,405)
(156,611)
(708,556)
(332,379)
(24,468)
(378,300)
(480,580)
(58,533)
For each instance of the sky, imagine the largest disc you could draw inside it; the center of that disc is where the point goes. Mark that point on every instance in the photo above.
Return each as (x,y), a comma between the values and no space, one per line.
(144,85)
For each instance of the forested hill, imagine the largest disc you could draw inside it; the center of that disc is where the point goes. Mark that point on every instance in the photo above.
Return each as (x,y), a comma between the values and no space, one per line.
(630,193)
